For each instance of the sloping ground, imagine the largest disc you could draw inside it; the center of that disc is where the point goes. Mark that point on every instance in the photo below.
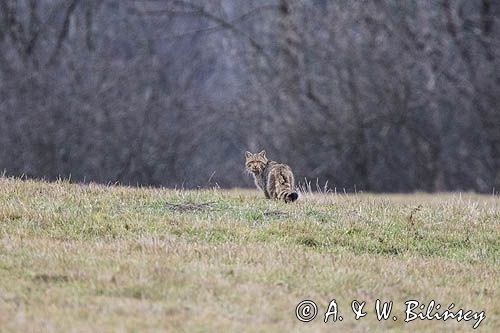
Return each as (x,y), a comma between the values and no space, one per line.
(89,257)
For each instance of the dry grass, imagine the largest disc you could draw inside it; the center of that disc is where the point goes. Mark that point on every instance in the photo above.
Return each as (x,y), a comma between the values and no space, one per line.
(89,257)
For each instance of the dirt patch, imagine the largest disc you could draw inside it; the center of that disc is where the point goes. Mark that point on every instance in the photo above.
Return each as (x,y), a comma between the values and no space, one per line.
(191,207)
(275,213)
(48,278)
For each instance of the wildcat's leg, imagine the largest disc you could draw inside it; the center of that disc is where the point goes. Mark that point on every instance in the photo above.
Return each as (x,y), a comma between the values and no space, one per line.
(271,185)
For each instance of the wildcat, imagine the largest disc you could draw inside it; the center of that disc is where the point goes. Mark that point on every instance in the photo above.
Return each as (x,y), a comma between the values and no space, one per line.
(273,178)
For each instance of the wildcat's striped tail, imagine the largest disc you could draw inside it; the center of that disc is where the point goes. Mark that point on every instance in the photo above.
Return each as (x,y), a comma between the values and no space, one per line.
(288,196)
(286,193)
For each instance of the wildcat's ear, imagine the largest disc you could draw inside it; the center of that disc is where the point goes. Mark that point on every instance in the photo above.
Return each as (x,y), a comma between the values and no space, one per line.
(248,154)
(262,153)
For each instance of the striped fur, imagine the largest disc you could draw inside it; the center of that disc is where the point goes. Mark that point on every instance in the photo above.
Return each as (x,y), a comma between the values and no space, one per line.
(274,179)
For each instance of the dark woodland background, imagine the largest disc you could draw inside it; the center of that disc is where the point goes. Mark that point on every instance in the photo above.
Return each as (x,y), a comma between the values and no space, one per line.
(376,95)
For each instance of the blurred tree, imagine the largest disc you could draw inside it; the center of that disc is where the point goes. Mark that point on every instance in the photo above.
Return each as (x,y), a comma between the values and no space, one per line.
(373,95)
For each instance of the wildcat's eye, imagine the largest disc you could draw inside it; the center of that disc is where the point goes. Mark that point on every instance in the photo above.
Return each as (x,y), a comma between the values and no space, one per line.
(253,165)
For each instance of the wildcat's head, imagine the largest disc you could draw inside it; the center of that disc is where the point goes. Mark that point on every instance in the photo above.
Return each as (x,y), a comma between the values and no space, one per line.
(255,163)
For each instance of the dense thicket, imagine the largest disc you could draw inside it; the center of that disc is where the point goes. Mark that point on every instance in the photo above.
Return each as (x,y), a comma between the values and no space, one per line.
(375,95)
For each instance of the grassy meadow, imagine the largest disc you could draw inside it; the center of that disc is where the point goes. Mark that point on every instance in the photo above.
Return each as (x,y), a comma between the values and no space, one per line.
(110,258)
